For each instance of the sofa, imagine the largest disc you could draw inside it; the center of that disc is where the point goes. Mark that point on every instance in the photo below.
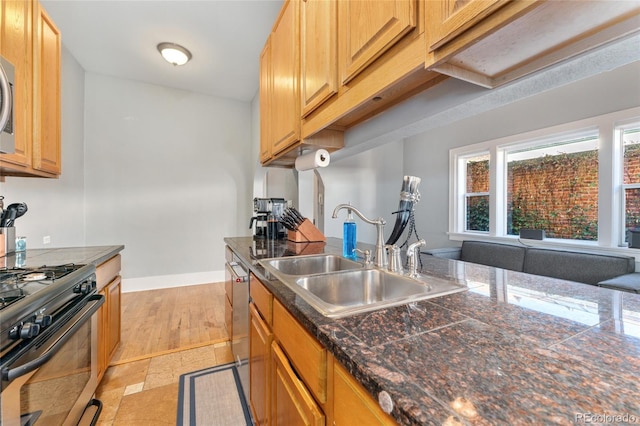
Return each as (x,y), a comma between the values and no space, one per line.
(615,272)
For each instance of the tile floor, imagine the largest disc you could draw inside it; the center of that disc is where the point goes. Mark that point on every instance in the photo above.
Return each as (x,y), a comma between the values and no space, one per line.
(145,392)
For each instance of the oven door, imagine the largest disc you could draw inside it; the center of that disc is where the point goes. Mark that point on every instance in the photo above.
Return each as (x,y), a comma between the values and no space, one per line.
(54,381)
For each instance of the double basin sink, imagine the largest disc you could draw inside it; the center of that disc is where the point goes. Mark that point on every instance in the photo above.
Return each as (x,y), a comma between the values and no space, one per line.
(338,287)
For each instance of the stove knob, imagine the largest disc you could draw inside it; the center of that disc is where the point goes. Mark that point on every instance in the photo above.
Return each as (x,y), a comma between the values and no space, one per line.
(83,288)
(29,330)
(43,320)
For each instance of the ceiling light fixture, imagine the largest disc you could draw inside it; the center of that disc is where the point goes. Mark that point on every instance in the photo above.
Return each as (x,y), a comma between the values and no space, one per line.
(174,53)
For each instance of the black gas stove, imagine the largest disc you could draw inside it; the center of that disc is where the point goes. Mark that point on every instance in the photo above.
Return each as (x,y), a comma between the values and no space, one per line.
(29,297)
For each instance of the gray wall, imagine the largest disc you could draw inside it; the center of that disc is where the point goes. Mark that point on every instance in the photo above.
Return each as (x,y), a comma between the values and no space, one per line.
(56,206)
(166,175)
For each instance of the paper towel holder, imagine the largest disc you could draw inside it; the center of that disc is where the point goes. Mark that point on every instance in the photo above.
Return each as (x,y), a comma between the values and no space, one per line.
(313,159)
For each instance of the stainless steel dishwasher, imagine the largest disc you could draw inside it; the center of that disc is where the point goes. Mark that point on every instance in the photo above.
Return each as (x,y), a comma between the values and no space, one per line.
(237,315)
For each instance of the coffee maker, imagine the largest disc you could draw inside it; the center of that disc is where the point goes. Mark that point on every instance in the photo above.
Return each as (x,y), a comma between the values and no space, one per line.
(266,218)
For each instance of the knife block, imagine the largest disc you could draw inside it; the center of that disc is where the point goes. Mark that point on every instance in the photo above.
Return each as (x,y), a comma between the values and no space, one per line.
(7,240)
(306,233)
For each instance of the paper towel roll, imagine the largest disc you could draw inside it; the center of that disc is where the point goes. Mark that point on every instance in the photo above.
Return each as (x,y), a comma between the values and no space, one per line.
(312,160)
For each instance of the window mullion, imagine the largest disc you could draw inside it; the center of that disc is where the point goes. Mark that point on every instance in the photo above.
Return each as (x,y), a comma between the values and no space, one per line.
(497,197)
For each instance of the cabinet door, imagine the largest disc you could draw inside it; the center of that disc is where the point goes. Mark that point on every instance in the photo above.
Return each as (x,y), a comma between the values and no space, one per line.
(449,18)
(46,93)
(285,65)
(266,88)
(15,46)
(318,52)
(113,317)
(367,29)
(352,403)
(292,403)
(259,372)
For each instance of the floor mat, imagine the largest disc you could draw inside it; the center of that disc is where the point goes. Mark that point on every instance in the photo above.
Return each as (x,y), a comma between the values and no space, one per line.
(212,397)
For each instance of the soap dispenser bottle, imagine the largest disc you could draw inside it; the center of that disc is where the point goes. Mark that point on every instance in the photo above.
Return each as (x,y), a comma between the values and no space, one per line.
(349,237)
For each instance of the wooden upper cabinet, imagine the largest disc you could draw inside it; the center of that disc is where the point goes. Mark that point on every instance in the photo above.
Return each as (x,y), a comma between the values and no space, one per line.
(318,52)
(16,47)
(285,66)
(449,18)
(265,102)
(367,29)
(491,43)
(31,42)
(47,53)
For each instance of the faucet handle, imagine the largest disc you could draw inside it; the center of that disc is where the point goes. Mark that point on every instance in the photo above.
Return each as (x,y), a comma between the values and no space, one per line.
(395,262)
(366,254)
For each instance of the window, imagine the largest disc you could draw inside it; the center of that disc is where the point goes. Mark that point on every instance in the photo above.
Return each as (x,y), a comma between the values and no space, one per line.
(631,178)
(476,196)
(579,182)
(553,186)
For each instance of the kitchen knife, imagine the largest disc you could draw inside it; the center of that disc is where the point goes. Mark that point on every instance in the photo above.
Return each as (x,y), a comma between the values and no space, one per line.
(298,215)
(21,209)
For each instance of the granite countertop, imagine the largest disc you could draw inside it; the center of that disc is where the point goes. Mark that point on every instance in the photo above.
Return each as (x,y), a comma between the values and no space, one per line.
(512,349)
(60,256)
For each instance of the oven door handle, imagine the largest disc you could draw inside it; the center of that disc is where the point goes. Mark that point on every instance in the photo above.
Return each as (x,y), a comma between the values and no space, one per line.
(85,315)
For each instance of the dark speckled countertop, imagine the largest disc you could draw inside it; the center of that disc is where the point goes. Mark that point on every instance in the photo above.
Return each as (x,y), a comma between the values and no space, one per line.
(60,256)
(512,349)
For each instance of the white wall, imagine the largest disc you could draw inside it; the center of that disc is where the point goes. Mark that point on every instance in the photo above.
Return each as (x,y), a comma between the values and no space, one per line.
(167,175)
(56,206)
(427,154)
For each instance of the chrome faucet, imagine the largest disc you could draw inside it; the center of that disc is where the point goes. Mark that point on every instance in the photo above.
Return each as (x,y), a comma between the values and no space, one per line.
(412,254)
(381,254)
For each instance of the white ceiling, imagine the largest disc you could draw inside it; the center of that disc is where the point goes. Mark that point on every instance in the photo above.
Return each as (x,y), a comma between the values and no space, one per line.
(119,38)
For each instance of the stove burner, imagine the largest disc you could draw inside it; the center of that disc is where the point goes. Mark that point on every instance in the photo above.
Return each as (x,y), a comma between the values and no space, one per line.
(35,276)
(17,283)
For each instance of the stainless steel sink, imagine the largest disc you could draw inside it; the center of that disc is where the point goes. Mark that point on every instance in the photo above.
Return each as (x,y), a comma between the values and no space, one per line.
(335,291)
(311,264)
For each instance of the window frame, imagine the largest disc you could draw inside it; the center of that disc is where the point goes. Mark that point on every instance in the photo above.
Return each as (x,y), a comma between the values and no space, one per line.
(619,141)
(610,187)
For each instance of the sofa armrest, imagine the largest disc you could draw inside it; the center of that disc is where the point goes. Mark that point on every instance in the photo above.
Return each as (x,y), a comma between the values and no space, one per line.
(628,282)
(446,252)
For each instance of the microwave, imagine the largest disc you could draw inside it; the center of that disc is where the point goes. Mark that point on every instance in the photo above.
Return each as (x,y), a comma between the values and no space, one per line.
(7,75)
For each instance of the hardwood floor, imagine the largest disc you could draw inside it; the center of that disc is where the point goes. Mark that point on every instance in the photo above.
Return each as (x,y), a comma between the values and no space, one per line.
(161,321)
(165,333)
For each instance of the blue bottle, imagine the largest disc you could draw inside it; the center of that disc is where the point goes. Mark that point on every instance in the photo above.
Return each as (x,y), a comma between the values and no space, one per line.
(349,238)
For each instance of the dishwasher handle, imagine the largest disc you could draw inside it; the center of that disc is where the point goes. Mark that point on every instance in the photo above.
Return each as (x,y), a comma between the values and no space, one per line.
(239,274)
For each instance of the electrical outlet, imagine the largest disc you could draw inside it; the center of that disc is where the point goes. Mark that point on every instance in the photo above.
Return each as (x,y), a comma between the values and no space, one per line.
(46,239)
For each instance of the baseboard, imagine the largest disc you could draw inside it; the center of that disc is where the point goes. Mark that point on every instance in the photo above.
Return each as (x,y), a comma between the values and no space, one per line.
(130,285)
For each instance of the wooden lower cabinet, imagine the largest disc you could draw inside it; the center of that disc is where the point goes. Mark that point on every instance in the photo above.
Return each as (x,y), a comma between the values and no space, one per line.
(292,403)
(260,339)
(294,380)
(109,284)
(352,404)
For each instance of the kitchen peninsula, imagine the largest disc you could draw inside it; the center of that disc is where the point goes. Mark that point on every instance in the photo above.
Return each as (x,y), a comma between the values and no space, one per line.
(512,349)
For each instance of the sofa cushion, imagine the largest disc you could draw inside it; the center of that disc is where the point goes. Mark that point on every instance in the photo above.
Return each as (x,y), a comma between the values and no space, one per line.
(582,267)
(491,254)
(628,282)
